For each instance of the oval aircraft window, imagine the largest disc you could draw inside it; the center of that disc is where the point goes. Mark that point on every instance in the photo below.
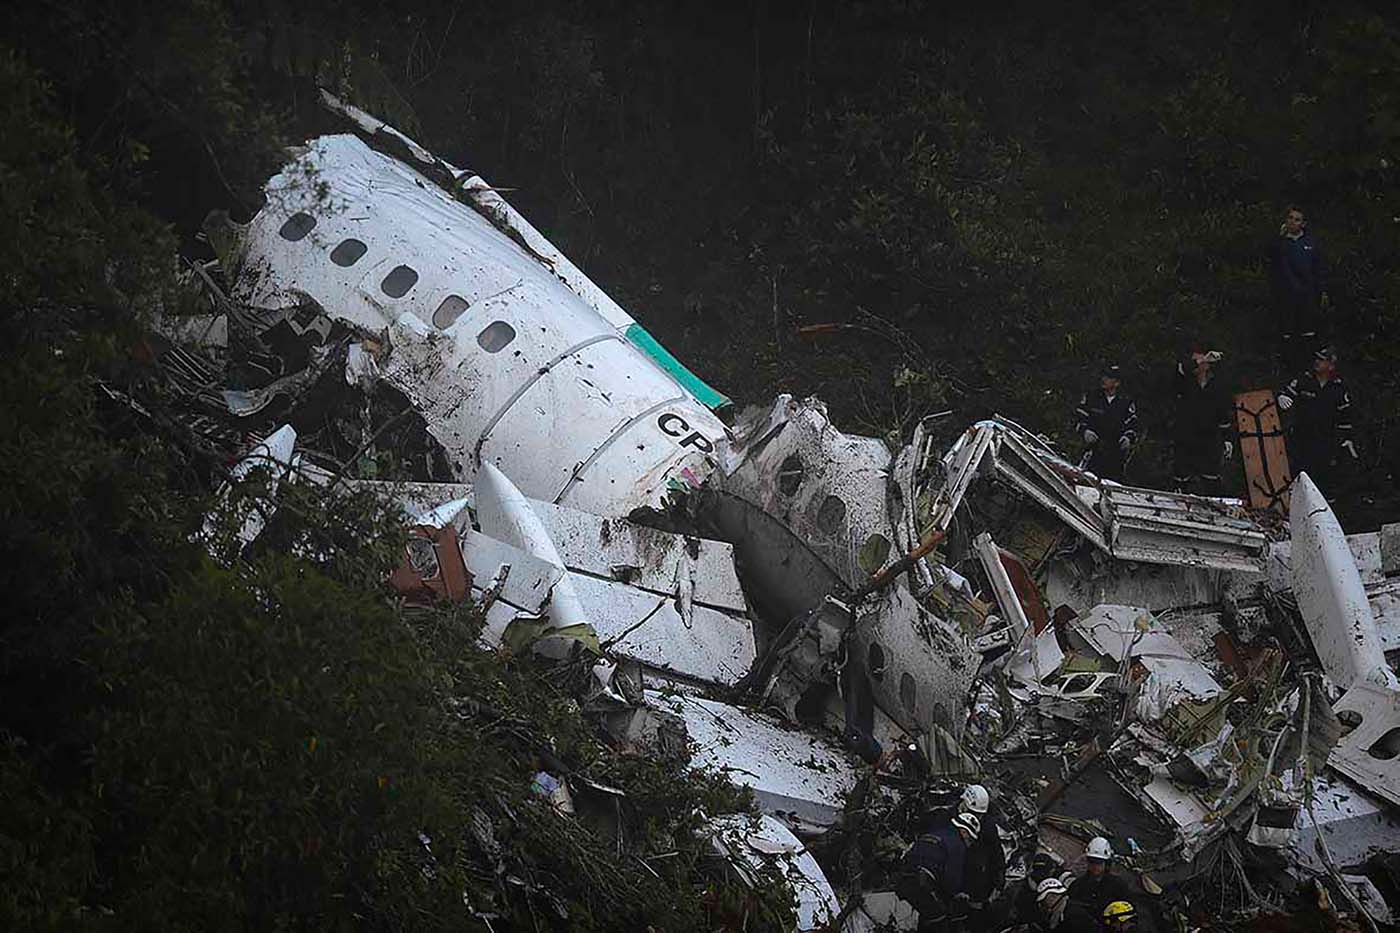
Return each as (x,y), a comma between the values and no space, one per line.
(399,280)
(447,313)
(297,226)
(909,693)
(496,336)
(348,252)
(831,515)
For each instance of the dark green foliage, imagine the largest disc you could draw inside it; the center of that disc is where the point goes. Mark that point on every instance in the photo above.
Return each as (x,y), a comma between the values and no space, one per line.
(270,742)
(986,202)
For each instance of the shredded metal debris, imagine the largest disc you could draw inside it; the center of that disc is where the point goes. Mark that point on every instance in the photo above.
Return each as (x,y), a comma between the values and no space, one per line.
(853,632)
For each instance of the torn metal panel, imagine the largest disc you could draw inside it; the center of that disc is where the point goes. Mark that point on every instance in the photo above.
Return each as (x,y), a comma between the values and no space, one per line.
(1037,472)
(274,456)
(1037,659)
(754,842)
(920,669)
(1370,753)
(506,515)
(1119,632)
(796,777)
(963,463)
(1181,806)
(647,558)
(526,587)
(1007,601)
(1331,597)
(826,486)
(710,645)
(1088,580)
(1356,825)
(1171,528)
(492,348)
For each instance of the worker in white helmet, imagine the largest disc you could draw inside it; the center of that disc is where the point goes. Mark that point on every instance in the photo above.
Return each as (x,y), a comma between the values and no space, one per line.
(1100,885)
(931,877)
(986,861)
(1059,913)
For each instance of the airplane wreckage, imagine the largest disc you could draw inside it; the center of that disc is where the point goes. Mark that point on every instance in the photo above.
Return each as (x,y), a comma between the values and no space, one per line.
(849,630)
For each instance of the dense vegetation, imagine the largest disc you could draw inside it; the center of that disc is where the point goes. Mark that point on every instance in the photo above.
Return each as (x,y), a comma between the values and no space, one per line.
(988,201)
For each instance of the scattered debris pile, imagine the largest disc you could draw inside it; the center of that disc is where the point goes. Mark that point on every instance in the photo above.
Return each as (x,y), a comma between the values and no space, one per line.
(852,632)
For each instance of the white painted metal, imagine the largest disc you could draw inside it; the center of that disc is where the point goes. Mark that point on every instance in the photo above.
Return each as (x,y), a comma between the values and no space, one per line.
(1122,631)
(607,547)
(761,841)
(796,777)
(1330,594)
(527,586)
(1355,824)
(1370,753)
(631,623)
(274,455)
(619,427)
(839,501)
(1007,601)
(506,515)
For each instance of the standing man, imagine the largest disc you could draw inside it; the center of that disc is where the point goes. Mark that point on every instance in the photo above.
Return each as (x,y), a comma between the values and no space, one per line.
(986,861)
(1321,434)
(931,878)
(1201,424)
(1297,278)
(1107,420)
(1099,886)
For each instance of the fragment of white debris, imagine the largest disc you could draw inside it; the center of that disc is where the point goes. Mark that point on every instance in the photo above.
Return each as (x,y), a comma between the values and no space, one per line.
(272,456)
(493,336)
(1331,597)
(749,842)
(800,778)
(506,515)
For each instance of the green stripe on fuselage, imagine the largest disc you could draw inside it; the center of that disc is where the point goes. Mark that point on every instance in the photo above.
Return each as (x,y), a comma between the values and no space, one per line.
(692,383)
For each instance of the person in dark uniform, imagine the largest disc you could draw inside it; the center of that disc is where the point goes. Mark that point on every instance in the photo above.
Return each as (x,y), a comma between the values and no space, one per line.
(985,870)
(1297,277)
(1059,913)
(1025,906)
(1107,420)
(1201,424)
(931,877)
(1100,885)
(1321,433)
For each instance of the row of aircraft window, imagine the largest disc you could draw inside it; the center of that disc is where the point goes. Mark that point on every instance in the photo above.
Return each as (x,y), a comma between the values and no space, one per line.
(494,338)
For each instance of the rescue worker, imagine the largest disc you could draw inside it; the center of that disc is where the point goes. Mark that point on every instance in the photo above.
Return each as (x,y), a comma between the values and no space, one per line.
(1201,423)
(1025,908)
(1297,276)
(931,879)
(986,861)
(1107,420)
(1120,917)
(1099,886)
(1059,912)
(1321,432)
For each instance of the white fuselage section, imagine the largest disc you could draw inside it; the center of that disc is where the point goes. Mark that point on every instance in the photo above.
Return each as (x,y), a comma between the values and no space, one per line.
(500,352)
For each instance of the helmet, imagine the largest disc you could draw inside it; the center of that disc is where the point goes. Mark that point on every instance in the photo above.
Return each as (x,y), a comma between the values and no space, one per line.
(975,799)
(968,822)
(1118,913)
(1048,887)
(1099,849)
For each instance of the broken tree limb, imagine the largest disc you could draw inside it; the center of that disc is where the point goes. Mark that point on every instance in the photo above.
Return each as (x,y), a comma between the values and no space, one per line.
(906,563)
